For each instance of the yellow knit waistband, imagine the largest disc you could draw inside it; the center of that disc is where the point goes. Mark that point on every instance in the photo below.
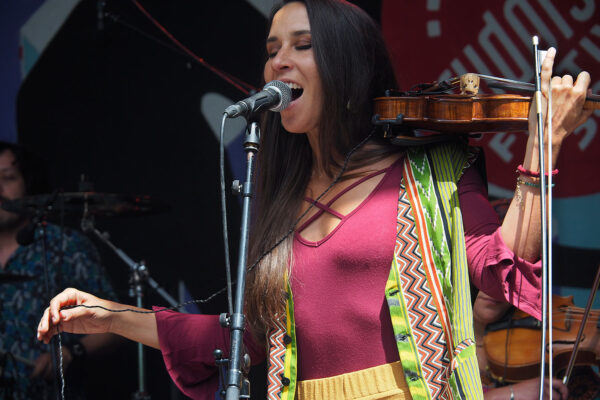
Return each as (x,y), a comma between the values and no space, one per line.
(384,382)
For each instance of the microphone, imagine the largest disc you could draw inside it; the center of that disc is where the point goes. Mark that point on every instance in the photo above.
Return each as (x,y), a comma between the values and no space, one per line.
(275,96)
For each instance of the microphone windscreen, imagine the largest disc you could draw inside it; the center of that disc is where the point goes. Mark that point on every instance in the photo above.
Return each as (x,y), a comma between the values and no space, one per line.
(285,95)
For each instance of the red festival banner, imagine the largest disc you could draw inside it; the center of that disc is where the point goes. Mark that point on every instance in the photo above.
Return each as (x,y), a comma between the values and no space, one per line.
(436,39)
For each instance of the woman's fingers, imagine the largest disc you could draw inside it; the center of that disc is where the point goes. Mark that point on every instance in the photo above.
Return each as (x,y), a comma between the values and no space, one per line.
(546,72)
(67,297)
(582,89)
(561,388)
(54,314)
(44,326)
(566,81)
(568,98)
(583,81)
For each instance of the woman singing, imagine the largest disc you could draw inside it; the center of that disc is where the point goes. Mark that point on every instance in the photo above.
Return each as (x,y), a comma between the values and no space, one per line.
(369,296)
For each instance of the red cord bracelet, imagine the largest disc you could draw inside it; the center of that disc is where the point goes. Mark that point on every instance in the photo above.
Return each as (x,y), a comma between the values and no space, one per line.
(532,174)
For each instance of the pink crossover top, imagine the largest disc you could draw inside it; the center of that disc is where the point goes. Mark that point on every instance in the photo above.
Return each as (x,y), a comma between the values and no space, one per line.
(342,319)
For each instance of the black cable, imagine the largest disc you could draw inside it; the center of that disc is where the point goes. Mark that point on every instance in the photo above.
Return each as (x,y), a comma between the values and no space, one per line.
(224,213)
(119,20)
(226,242)
(277,243)
(200,301)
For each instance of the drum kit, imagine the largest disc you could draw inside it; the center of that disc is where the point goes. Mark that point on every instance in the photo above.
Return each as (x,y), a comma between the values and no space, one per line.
(88,205)
(85,205)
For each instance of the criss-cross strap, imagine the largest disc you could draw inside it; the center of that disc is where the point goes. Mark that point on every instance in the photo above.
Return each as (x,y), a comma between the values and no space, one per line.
(326,207)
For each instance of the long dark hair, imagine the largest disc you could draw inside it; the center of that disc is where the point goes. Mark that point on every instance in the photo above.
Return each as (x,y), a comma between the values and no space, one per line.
(354,67)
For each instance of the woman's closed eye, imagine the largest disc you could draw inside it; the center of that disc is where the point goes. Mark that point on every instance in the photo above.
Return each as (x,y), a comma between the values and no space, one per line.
(300,47)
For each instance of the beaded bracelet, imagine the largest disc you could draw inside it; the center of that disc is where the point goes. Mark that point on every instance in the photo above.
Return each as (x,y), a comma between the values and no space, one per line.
(519,194)
(532,174)
(531,184)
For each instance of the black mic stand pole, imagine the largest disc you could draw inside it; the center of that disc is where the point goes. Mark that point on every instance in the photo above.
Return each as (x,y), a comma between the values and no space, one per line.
(40,223)
(237,386)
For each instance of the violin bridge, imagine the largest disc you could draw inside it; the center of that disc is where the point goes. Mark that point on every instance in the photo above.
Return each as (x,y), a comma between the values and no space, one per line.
(469,84)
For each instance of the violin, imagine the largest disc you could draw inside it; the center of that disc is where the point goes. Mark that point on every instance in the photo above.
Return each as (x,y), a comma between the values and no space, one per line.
(513,352)
(468,111)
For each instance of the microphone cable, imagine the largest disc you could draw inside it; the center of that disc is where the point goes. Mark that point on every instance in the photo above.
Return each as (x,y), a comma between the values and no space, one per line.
(225,236)
(227,288)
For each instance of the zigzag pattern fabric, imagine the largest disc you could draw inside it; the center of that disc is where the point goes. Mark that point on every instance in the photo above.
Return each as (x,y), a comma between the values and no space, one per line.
(427,331)
(419,179)
(431,176)
(283,356)
(276,360)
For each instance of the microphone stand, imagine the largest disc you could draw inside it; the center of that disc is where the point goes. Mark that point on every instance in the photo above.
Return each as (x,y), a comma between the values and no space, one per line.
(237,386)
(138,276)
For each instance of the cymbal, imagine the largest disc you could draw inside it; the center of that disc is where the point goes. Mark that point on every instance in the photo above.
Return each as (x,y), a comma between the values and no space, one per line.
(92,203)
(6,277)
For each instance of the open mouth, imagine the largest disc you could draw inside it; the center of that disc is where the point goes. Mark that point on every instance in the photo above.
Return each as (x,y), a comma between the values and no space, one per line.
(297,90)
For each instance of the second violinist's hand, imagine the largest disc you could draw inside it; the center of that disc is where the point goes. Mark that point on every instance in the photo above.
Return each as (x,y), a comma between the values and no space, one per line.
(567,101)
(75,320)
(528,390)
(43,364)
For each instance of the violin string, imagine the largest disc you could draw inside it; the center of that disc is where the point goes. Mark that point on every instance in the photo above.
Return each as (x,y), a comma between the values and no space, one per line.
(567,319)
(510,319)
(576,316)
(580,311)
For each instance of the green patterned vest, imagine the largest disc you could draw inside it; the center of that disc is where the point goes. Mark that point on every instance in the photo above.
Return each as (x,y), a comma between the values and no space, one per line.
(427,292)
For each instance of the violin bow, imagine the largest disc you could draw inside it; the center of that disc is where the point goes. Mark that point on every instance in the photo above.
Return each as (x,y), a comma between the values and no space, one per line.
(545,206)
(581,328)
(592,101)
(469,84)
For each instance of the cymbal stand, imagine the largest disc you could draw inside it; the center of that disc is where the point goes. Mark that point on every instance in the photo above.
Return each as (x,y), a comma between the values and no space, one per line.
(139,275)
(38,223)
(237,386)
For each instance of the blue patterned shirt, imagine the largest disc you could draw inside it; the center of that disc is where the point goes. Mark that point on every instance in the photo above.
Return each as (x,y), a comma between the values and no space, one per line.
(22,304)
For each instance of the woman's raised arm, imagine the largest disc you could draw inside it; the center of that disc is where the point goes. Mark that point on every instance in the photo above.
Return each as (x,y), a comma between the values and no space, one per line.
(521,229)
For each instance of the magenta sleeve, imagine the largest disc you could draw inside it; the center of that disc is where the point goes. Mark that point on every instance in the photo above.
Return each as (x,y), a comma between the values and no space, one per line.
(493,266)
(187,343)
